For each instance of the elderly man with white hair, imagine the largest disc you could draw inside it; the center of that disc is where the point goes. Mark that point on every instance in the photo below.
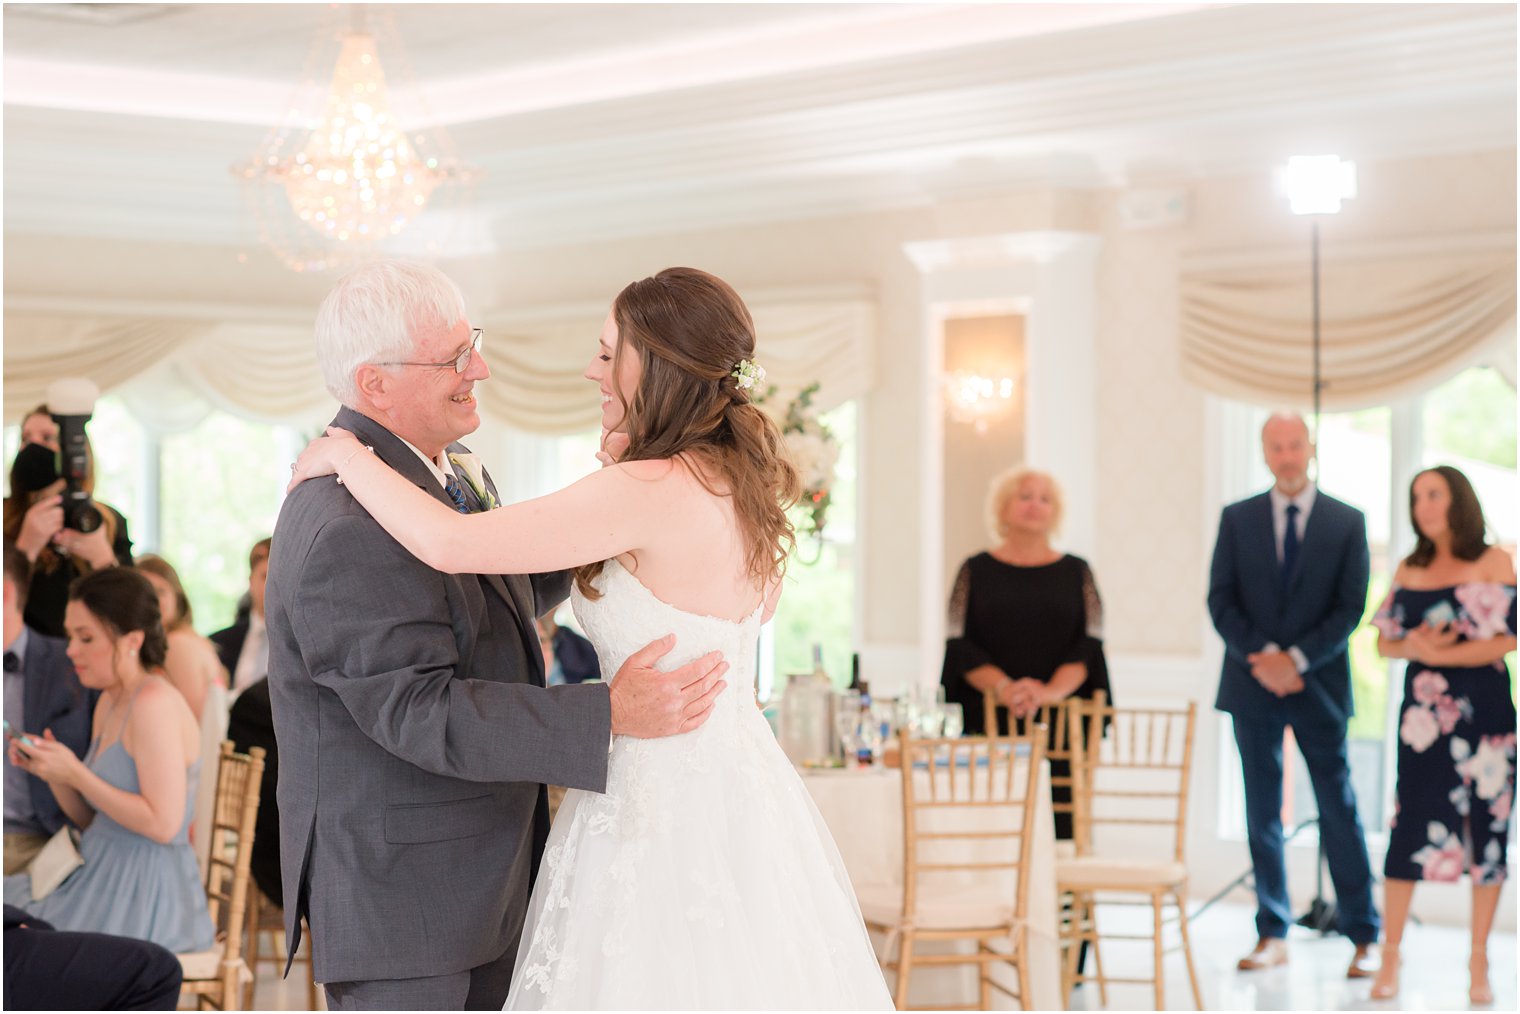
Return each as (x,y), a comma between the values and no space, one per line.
(416,733)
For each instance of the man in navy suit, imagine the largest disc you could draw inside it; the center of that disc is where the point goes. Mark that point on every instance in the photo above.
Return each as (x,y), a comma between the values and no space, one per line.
(1287,587)
(41,692)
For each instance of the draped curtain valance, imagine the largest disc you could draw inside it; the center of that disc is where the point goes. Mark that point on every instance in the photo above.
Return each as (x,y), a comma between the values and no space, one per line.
(1394,319)
(172,370)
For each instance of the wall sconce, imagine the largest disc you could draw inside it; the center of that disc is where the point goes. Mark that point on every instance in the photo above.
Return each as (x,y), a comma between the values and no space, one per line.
(977,398)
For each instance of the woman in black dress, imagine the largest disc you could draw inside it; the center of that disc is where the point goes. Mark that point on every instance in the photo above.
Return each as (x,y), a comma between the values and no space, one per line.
(1026,622)
(1451,615)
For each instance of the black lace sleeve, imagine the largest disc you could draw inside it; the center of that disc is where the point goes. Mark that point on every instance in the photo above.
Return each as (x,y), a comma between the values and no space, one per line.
(1092,605)
(967,653)
(960,599)
(1092,642)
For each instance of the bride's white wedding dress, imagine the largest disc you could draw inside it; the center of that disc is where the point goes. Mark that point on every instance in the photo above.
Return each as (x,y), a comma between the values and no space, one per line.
(703,878)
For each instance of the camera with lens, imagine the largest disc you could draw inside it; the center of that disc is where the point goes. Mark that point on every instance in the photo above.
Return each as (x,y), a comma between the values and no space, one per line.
(71,403)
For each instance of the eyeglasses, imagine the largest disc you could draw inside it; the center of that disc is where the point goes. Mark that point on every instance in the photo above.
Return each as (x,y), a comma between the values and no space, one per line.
(460,363)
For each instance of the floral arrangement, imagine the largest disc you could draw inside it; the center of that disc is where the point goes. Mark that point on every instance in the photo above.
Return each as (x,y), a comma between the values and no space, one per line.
(815,452)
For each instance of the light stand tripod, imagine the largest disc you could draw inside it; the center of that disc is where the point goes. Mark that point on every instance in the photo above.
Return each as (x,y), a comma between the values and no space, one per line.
(1321,914)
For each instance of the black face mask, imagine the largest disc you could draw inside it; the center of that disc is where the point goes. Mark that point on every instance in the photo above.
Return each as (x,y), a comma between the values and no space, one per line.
(36,468)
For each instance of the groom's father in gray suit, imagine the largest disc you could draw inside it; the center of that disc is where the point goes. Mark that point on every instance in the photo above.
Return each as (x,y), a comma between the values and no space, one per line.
(415,730)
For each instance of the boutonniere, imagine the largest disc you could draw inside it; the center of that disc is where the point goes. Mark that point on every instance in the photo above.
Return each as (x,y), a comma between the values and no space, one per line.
(475,475)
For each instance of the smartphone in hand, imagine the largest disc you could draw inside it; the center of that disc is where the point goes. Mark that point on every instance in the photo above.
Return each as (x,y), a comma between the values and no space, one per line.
(10,733)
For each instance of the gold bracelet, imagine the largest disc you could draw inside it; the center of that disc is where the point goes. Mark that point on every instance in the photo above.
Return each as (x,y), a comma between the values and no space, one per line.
(338,472)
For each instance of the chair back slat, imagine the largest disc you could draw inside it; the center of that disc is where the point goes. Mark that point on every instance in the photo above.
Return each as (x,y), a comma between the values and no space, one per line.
(1133,768)
(1058,749)
(968,811)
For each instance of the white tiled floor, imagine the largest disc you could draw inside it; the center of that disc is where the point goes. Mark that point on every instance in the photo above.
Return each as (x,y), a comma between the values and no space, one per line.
(1435,971)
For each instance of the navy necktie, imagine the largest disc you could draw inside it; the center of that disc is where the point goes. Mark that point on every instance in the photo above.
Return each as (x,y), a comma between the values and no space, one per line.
(1290,544)
(12,663)
(451,487)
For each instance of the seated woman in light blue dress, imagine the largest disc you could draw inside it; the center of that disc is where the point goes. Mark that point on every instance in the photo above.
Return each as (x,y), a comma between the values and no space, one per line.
(131,794)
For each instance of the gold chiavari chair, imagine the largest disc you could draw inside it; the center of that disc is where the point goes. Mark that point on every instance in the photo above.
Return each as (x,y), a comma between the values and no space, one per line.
(968,831)
(1058,752)
(266,921)
(1135,777)
(215,977)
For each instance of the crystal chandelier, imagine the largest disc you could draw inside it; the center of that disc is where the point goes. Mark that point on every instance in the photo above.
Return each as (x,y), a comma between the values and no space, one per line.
(331,188)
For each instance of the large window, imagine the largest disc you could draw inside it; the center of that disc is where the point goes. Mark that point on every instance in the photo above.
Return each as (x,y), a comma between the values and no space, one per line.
(818,600)
(1368,458)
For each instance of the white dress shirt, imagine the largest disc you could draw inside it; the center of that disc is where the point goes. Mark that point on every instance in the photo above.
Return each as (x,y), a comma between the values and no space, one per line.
(441,472)
(253,660)
(1280,501)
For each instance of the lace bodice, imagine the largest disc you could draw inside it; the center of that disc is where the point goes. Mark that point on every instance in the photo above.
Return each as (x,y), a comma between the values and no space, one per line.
(702,878)
(628,616)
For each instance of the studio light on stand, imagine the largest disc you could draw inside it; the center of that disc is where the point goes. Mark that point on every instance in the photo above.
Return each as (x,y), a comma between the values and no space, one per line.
(1316,185)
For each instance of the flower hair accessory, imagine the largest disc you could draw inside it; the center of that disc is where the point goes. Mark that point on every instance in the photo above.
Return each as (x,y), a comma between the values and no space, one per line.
(749,374)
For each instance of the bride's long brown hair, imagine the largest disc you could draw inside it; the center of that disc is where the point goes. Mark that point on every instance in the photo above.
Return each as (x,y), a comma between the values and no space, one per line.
(689,330)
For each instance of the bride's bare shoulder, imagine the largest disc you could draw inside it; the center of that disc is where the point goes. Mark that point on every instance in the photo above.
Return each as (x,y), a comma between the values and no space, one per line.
(686,471)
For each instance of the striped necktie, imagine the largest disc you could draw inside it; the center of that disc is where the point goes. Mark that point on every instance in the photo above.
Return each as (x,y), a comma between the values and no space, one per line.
(451,487)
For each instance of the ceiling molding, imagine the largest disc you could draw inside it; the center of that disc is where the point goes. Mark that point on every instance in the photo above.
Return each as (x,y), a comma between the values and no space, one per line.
(1208,92)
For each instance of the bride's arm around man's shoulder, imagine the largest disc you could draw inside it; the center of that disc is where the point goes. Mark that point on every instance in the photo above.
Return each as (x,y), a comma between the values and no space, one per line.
(620,508)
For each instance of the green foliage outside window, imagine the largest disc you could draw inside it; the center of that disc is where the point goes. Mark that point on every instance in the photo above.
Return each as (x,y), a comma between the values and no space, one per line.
(222,483)
(818,600)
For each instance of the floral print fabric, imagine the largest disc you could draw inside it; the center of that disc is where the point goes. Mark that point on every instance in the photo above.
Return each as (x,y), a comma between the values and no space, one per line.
(1456,764)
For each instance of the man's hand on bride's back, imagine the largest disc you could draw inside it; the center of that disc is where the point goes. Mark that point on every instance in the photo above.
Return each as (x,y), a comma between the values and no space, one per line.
(648,703)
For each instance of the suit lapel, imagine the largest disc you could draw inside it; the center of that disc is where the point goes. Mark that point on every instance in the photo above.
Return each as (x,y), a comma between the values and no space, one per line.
(515,589)
(1267,544)
(1314,534)
(399,456)
(394,452)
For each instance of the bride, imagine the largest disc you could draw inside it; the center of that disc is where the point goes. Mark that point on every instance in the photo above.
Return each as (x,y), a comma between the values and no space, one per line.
(703,877)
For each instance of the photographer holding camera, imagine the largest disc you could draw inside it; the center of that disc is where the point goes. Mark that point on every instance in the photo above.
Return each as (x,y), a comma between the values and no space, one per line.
(51,515)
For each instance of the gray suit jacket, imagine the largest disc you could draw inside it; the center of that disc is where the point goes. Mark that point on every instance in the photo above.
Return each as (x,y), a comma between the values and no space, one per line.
(415,737)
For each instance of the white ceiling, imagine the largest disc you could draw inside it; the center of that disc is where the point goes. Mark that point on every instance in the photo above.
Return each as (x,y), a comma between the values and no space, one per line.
(592,121)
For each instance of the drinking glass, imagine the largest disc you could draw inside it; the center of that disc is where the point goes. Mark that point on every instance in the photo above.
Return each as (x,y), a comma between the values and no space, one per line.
(885,714)
(955,720)
(931,722)
(905,712)
(871,738)
(847,723)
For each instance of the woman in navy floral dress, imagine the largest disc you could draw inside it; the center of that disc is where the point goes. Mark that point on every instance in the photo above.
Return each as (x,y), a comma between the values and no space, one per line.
(1451,614)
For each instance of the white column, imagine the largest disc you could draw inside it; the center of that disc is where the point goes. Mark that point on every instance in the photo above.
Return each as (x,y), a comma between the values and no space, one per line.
(1050,277)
